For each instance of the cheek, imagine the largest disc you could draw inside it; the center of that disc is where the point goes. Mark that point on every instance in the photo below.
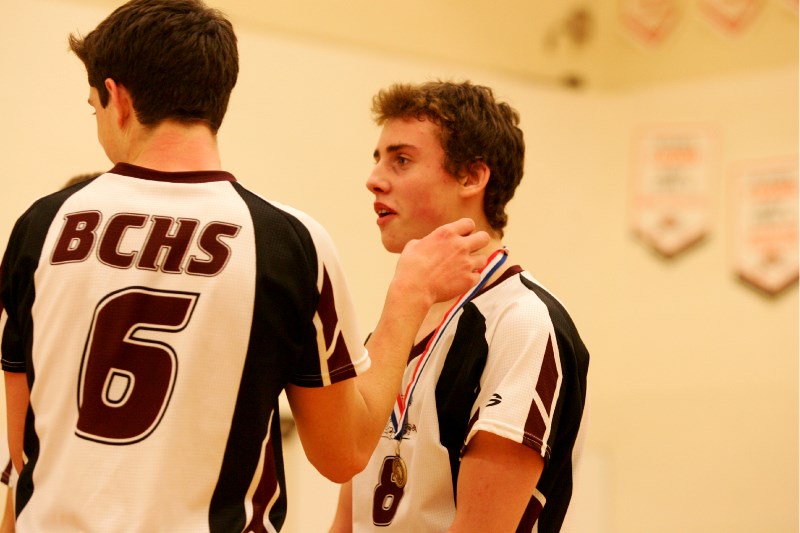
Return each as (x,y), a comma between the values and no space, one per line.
(428,215)
(425,212)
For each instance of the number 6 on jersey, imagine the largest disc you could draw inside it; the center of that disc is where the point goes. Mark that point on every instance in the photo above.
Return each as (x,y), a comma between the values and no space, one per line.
(126,380)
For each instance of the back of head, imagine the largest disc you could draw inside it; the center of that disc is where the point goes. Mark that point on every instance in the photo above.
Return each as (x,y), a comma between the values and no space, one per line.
(177,58)
(474,127)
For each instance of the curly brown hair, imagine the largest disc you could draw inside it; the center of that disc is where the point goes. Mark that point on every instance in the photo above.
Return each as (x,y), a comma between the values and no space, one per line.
(177,58)
(473,127)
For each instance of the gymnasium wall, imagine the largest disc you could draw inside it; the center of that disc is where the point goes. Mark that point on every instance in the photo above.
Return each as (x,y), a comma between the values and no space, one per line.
(693,383)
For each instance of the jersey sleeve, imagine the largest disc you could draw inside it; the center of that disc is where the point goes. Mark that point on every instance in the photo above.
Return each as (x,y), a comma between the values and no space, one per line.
(521,381)
(340,351)
(12,354)
(7,334)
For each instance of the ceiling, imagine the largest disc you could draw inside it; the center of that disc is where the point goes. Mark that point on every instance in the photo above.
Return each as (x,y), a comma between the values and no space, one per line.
(590,44)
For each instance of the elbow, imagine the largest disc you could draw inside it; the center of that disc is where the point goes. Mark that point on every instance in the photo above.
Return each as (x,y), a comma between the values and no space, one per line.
(340,476)
(342,467)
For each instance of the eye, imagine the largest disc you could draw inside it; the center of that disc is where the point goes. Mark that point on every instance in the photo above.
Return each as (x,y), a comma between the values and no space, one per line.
(401,160)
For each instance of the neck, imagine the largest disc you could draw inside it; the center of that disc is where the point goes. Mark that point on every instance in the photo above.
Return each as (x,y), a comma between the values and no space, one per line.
(495,240)
(495,244)
(174,147)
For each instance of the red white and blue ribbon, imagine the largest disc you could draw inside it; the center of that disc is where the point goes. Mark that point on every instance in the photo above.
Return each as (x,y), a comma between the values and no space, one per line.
(400,411)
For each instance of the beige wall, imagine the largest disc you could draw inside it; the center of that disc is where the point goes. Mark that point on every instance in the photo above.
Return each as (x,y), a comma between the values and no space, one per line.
(694,376)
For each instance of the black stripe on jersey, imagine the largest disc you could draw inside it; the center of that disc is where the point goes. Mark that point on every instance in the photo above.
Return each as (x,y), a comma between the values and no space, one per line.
(556,480)
(286,298)
(25,247)
(459,384)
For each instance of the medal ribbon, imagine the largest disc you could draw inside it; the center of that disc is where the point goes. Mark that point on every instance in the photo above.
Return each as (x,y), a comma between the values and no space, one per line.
(400,411)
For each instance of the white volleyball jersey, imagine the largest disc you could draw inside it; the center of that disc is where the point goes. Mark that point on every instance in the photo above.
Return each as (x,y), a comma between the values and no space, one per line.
(511,363)
(158,316)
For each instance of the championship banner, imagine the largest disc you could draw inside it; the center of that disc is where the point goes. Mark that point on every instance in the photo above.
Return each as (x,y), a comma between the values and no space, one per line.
(766,224)
(648,21)
(671,193)
(732,16)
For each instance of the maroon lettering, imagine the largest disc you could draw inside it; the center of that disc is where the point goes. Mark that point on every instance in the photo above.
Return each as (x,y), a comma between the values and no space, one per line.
(108,252)
(218,252)
(126,377)
(77,237)
(176,242)
(165,245)
(387,495)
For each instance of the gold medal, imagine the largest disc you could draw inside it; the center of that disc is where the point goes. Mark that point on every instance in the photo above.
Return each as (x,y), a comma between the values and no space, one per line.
(399,472)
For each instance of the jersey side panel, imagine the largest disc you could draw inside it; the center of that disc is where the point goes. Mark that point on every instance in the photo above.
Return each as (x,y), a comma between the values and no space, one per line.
(569,418)
(17,291)
(20,261)
(458,385)
(251,486)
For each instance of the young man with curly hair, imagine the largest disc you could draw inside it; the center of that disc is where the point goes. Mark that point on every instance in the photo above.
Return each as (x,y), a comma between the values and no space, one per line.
(487,421)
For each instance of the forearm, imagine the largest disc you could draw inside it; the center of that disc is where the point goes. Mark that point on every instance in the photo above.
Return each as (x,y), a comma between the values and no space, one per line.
(340,425)
(17,398)
(7,525)
(389,346)
(343,521)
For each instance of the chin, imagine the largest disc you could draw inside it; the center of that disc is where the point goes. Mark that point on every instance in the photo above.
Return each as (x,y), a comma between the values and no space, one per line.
(391,245)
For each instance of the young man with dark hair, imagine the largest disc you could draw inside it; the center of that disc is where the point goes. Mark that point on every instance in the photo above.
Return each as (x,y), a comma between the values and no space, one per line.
(151,316)
(487,422)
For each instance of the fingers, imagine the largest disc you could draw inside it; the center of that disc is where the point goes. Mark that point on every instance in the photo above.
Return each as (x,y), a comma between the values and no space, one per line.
(477,240)
(462,226)
(459,238)
(446,262)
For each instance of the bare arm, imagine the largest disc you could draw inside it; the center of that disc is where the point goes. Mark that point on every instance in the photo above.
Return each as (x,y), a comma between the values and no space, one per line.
(343,520)
(17,397)
(339,426)
(495,483)
(7,525)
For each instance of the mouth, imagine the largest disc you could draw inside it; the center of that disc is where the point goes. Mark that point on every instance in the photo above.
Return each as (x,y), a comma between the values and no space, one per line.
(383,210)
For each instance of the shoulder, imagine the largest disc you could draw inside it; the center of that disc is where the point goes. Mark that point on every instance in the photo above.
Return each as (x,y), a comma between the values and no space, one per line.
(271,212)
(523,311)
(523,297)
(517,299)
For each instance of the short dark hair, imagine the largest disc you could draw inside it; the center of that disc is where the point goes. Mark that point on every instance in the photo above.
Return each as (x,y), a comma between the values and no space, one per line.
(473,127)
(177,58)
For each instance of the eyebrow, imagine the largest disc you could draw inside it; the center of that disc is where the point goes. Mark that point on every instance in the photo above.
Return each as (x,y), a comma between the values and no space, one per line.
(392,148)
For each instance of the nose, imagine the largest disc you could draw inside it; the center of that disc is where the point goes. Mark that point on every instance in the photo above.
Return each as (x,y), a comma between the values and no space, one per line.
(376,183)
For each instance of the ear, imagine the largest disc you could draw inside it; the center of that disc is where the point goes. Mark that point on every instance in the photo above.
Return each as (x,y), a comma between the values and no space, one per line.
(475,179)
(120,98)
